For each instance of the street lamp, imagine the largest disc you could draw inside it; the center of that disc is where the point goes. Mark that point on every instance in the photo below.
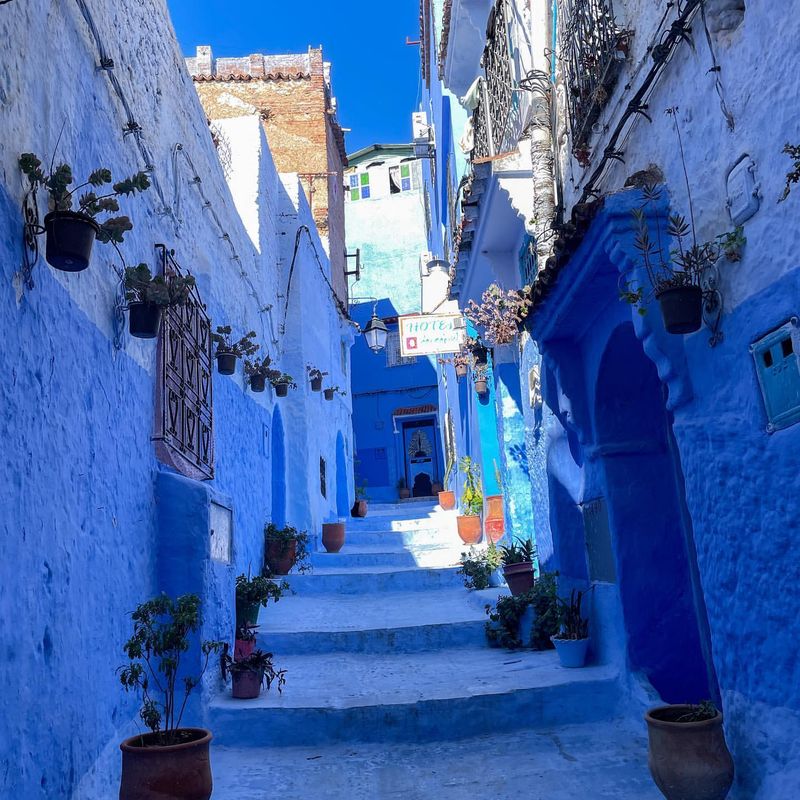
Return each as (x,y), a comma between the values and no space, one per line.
(375,331)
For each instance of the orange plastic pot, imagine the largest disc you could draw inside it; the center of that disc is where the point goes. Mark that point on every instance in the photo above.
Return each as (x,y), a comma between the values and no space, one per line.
(469,528)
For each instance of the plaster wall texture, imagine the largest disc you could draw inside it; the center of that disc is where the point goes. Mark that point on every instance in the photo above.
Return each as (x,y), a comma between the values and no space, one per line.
(82,539)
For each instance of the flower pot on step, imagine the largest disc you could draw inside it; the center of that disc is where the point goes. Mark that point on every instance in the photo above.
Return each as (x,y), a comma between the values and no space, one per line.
(681,308)
(246,684)
(333,534)
(70,238)
(246,614)
(495,523)
(144,320)
(226,363)
(447,500)
(258,382)
(404,494)
(469,528)
(243,648)
(571,652)
(281,556)
(360,508)
(519,577)
(179,772)
(688,760)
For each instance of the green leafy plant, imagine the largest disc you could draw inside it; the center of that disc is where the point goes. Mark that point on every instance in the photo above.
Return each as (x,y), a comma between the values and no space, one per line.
(260,366)
(472,494)
(793,175)
(285,536)
(500,312)
(142,287)
(361,490)
(276,378)
(700,713)
(225,344)
(259,589)
(161,631)
(57,184)
(518,552)
(260,663)
(477,566)
(571,622)
(502,628)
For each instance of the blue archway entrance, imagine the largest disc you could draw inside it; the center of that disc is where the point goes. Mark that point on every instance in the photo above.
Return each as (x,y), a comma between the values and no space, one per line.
(278,453)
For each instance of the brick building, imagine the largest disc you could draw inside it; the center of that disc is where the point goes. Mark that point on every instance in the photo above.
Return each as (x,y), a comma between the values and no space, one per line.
(292,94)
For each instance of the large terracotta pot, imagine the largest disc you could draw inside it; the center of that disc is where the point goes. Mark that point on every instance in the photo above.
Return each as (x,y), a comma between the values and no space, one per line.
(333,536)
(519,577)
(688,760)
(179,772)
(280,556)
(495,522)
(243,648)
(246,684)
(359,508)
(404,494)
(447,500)
(469,528)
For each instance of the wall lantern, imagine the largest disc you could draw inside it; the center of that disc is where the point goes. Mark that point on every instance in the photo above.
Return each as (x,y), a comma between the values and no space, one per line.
(375,331)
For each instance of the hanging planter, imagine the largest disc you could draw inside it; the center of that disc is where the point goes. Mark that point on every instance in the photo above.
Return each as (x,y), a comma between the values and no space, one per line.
(257,373)
(228,351)
(71,233)
(329,393)
(481,355)
(480,378)
(481,386)
(282,382)
(681,308)
(315,378)
(148,296)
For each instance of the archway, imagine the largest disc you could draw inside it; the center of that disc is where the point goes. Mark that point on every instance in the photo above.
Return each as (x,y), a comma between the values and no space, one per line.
(651,531)
(278,452)
(342,493)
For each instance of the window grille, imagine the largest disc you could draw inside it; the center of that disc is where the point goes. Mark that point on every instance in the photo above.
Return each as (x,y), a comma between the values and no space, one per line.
(393,357)
(323,477)
(528,263)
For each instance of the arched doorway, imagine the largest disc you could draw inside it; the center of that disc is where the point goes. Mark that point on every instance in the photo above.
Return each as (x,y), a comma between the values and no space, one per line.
(278,453)
(653,545)
(342,493)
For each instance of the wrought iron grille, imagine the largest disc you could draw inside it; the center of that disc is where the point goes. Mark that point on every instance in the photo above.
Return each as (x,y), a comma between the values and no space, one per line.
(184,433)
(528,262)
(590,45)
(502,100)
(480,130)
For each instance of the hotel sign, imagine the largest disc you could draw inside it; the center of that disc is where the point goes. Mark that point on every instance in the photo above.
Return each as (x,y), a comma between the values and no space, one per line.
(431,334)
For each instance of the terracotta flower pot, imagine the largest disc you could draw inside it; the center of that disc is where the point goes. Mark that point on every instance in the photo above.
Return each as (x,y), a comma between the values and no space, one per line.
(688,760)
(519,577)
(447,500)
(179,772)
(469,528)
(246,684)
(404,494)
(246,614)
(70,238)
(258,382)
(495,521)
(333,536)
(481,386)
(226,363)
(360,508)
(144,320)
(681,308)
(461,371)
(280,556)
(243,648)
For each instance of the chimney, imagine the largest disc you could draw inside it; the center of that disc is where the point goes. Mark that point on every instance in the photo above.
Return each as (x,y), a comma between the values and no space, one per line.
(204,61)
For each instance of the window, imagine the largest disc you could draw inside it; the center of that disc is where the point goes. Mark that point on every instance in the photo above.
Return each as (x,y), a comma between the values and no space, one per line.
(323,477)
(393,357)
(400,179)
(359,186)
(344,358)
(778,371)
(528,264)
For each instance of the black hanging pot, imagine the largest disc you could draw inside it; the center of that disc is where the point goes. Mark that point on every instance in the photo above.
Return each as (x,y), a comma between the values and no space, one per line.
(481,355)
(681,308)
(144,319)
(281,389)
(461,370)
(226,363)
(258,382)
(481,386)
(329,393)
(70,236)
(316,383)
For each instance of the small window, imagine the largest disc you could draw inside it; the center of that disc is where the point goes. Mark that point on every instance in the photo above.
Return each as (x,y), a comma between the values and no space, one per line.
(400,179)
(393,357)
(778,371)
(323,477)
(359,186)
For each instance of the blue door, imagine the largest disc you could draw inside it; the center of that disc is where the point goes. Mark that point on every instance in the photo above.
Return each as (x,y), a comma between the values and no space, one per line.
(421,457)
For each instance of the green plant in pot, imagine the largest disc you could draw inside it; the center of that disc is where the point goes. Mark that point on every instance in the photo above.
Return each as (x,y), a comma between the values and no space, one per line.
(518,560)
(403,492)
(687,753)
(258,371)
(332,391)
(74,222)
(285,548)
(525,620)
(478,567)
(572,640)
(244,641)
(282,382)
(149,295)
(315,377)
(447,497)
(480,377)
(170,761)
(228,350)
(469,521)
(249,674)
(252,594)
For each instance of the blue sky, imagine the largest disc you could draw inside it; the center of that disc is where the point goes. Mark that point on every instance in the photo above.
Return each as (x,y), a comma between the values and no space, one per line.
(375,74)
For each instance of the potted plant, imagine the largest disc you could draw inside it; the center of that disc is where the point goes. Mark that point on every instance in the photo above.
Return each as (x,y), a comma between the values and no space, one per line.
(253,593)
(333,535)
(478,350)
(525,620)
(282,382)
(315,378)
(687,754)
(257,373)
(333,390)
(499,315)
(285,548)
(245,641)
(478,567)
(518,565)
(170,761)
(469,521)
(71,231)
(479,376)
(249,674)
(360,507)
(228,351)
(147,296)
(495,519)
(403,491)
(461,364)
(572,639)
(447,498)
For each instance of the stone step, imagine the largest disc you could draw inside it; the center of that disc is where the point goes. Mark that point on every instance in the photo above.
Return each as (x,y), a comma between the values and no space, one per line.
(593,761)
(386,556)
(413,697)
(407,538)
(373,579)
(441,520)
(387,623)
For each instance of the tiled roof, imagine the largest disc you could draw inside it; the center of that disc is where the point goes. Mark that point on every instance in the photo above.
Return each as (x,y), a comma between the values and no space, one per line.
(410,411)
(243,78)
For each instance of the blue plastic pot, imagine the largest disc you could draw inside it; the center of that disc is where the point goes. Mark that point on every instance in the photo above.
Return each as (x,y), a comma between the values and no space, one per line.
(571,652)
